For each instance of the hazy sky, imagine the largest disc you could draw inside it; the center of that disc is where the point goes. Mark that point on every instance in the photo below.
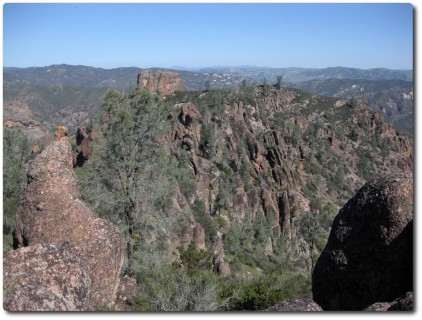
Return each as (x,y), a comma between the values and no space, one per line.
(199,35)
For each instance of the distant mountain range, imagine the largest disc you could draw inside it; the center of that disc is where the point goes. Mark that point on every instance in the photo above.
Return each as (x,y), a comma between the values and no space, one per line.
(305,74)
(58,91)
(118,78)
(219,77)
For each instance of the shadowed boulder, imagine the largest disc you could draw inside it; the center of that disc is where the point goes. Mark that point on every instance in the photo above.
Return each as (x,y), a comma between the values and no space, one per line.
(369,254)
(403,303)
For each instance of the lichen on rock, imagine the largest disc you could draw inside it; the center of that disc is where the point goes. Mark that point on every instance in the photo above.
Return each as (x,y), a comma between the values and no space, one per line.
(46,277)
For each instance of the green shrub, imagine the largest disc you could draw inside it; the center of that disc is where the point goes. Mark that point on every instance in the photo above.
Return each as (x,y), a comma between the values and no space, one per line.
(222,223)
(192,258)
(16,153)
(265,291)
(177,289)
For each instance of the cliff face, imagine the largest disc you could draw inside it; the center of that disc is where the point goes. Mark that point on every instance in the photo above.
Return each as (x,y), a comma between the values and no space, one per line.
(268,155)
(52,211)
(162,82)
(271,154)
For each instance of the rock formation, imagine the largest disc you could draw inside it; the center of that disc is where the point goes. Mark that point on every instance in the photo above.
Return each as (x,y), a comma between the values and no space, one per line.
(285,216)
(164,83)
(270,207)
(221,267)
(46,277)
(403,303)
(61,132)
(52,211)
(126,294)
(85,140)
(298,305)
(193,233)
(369,254)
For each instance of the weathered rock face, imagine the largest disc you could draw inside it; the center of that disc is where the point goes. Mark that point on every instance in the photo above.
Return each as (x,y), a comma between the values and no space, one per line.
(162,82)
(126,294)
(298,305)
(52,211)
(404,303)
(221,267)
(193,233)
(46,277)
(369,254)
(270,207)
(85,140)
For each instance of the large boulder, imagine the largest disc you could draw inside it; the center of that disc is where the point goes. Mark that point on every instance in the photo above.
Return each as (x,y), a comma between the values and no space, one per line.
(369,254)
(52,211)
(403,303)
(46,277)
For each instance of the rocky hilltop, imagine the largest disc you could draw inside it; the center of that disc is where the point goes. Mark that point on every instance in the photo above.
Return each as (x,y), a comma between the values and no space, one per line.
(64,239)
(393,99)
(162,82)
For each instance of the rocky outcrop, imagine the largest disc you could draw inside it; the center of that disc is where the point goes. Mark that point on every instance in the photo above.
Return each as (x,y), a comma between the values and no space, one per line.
(285,216)
(404,303)
(52,211)
(46,277)
(270,207)
(193,233)
(221,267)
(369,254)
(164,83)
(188,113)
(61,132)
(86,137)
(298,305)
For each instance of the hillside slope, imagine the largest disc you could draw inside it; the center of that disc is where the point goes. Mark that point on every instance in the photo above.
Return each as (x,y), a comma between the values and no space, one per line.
(237,183)
(393,99)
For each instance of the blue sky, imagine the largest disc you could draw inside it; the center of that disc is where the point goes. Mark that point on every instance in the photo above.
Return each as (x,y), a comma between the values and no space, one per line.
(199,35)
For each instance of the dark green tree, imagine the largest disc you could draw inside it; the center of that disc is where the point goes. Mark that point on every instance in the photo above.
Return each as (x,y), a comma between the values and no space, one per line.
(279,81)
(266,87)
(207,86)
(129,178)
(313,233)
(16,152)
(353,103)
